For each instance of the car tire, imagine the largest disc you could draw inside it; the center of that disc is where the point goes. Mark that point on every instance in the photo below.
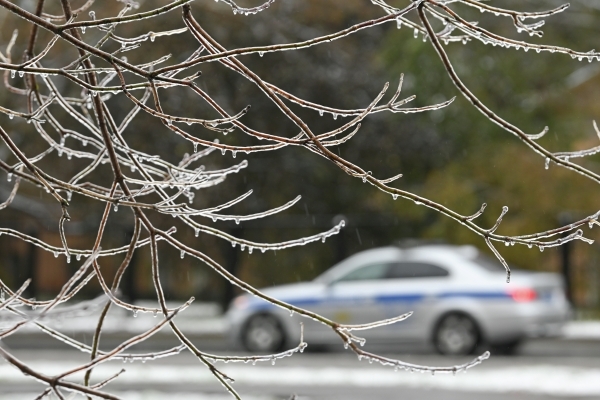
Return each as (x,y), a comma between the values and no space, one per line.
(456,334)
(263,333)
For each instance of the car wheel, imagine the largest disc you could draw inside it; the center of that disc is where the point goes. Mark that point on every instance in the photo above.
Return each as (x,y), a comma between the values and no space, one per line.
(263,333)
(456,334)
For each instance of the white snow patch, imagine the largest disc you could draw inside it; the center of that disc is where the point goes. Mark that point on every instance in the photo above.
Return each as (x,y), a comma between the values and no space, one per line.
(582,330)
(537,379)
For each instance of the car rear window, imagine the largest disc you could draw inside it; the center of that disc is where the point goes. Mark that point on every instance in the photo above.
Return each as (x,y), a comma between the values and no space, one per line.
(415,270)
(489,263)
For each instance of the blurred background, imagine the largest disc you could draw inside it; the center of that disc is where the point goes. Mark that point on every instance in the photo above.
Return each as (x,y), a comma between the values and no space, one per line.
(453,156)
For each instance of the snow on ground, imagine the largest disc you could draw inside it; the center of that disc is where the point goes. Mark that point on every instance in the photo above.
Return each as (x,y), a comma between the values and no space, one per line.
(536,379)
(198,319)
(143,395)
(582,330)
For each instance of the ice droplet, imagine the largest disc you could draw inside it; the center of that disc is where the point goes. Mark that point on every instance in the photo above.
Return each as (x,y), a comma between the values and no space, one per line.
(78,257)
(261,53)
(56,254)
(135,313)
(116,208)
(547,164)
(321,113)
(196,232)
(541,248)
(416,33)
(83,29)
(195,147)
(395,196)
(9,177)
(21,73)
(12,73)
(182,254)
(11,116)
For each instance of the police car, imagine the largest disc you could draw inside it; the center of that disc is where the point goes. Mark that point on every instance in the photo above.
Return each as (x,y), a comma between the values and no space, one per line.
(459,298)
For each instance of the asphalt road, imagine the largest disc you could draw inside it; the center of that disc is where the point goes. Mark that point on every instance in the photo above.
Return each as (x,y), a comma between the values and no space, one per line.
(549,369)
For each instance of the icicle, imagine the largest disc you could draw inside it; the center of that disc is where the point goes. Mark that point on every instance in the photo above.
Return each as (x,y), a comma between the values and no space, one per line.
(182,254)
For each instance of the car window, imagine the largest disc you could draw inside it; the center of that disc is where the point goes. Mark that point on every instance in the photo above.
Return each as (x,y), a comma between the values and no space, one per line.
(416,270)
(368,272)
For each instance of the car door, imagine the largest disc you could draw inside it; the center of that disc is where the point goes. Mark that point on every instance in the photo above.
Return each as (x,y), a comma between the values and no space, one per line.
(410,286)
(353,297)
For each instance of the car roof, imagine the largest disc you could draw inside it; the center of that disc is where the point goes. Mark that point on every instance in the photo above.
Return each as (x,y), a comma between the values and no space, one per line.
(444,254)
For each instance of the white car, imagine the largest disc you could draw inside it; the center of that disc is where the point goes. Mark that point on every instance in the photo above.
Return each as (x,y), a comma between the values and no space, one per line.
(459,297)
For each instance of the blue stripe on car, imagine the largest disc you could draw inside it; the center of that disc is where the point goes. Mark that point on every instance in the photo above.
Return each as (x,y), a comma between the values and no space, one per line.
(477,295)
(391,298)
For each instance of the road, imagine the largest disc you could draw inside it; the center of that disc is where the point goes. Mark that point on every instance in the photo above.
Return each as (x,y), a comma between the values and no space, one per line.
(550,369)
